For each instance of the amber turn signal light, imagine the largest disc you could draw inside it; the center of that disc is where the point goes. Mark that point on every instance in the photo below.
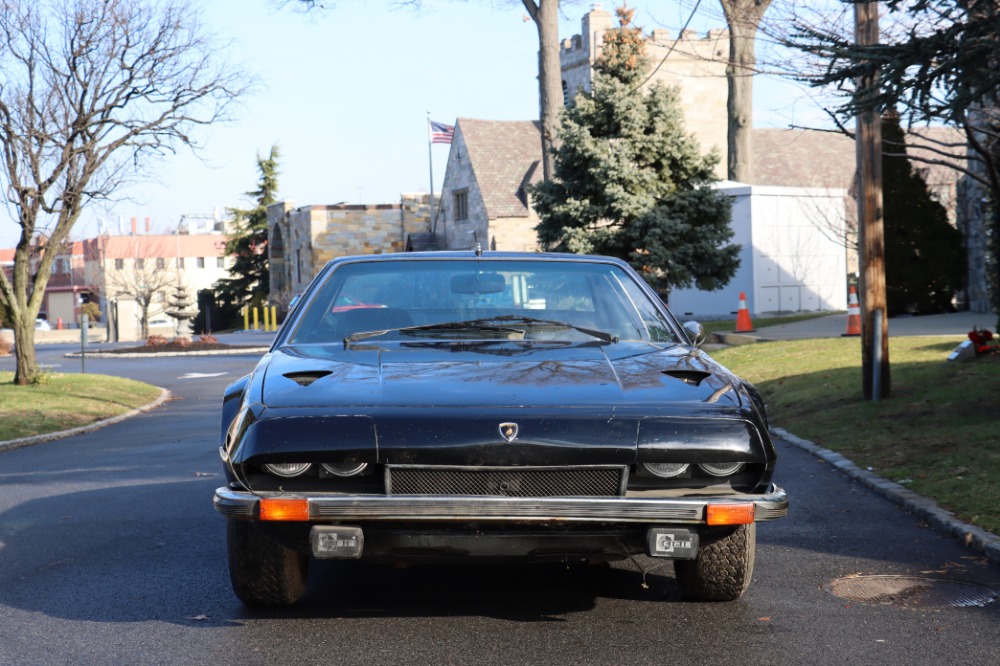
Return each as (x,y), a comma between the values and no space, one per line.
(729,514)
(284,509)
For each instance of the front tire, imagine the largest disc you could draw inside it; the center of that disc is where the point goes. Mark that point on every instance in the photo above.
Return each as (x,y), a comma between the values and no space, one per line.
(264,572)
(723,568)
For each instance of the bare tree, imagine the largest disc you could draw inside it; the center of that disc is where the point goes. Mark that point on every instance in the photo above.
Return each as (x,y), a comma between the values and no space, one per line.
(91,92)
(545,14)
(743,18)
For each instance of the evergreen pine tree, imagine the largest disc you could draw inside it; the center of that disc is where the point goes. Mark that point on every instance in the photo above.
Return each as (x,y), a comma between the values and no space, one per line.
(630,182)
(249,281)
(924,254)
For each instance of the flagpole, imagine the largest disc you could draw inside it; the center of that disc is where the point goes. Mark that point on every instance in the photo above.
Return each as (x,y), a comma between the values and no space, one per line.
(430,168)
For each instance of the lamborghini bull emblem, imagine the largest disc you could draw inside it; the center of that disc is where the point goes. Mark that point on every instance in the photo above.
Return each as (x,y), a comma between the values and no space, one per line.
(508,431)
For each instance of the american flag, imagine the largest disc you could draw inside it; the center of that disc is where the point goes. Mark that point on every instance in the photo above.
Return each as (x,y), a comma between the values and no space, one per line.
(441,133)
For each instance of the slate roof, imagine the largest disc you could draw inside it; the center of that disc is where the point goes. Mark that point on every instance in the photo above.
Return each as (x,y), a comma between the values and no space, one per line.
(505,156)
(815,158)
(802,158)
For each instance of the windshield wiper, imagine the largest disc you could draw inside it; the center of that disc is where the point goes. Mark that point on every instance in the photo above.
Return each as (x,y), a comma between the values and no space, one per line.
(485,324)
(478,325)
(600,335)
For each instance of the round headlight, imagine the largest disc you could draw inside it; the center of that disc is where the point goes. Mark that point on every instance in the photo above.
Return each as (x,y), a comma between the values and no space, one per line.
(666,470)
(720,469)
(344,469)
(287,469)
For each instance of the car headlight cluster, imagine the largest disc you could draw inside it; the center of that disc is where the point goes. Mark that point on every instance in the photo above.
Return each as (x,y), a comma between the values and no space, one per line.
(289,470)
(670,470)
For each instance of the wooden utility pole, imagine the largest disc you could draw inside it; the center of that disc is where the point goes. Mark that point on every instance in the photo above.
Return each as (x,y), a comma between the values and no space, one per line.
(874,324)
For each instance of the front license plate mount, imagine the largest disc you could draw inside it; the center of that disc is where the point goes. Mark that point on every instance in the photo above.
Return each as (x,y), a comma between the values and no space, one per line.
(677,544)
(342,542)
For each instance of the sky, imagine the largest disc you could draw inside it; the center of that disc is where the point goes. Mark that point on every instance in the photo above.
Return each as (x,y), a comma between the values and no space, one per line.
(345,94)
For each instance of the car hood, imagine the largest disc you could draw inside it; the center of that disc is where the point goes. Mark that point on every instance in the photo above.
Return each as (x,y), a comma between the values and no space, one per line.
(448,404)
(501,375)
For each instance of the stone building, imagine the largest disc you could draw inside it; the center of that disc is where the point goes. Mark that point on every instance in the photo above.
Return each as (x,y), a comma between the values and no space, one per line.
(303,239)
(695,65)
(484,197)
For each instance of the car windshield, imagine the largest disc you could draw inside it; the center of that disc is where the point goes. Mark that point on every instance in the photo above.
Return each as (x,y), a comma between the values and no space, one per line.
(434,300)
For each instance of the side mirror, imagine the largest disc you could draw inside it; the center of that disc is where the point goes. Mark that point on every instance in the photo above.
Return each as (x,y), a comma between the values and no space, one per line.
(696,332)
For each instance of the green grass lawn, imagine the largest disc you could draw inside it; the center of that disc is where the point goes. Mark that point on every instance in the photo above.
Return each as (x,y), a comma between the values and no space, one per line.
(62,401)
(936,434)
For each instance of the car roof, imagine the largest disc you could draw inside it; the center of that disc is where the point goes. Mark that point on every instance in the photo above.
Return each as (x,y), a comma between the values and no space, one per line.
(471,255)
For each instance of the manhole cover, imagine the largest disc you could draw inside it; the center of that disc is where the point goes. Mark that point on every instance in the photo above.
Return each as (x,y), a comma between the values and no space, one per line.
(911,591)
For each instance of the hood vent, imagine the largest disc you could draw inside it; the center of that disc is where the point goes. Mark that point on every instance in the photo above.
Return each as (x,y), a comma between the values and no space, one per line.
(308,377)
(692,377)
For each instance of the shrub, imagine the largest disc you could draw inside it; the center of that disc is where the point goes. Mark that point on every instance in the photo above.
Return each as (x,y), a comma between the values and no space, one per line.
(92,310)
(182,342)
(208,339)
(156,341)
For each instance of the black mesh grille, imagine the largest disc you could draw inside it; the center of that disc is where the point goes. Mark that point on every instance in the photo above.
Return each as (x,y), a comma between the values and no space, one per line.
(506,481)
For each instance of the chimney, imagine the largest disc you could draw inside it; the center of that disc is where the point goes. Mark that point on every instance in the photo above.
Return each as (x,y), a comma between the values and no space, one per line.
(133,226)
(147,225)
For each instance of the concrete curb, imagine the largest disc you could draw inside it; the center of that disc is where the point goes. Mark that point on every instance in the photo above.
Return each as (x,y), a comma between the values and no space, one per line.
(11,444)
(974,537)
(214,352)
(732,339)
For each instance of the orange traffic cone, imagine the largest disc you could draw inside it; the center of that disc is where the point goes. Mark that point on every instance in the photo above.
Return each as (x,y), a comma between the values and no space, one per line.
(853,313)
(743,323)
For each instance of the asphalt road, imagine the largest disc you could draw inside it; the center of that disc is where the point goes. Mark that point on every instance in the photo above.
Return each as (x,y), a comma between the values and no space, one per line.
(110,553)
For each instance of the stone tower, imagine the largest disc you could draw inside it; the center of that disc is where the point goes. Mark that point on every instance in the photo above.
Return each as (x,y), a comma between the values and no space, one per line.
(695,65)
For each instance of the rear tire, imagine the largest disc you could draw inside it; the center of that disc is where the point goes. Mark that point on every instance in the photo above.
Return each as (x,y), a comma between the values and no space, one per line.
(722,570)
(262,571)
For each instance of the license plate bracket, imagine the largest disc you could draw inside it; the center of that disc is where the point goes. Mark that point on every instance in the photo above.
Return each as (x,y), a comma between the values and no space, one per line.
(671,542)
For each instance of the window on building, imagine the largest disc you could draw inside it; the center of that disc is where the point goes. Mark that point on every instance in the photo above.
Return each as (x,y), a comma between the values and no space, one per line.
(140,263)
(461,204)
(200,262)
(119,264)
(180,262)
(161,263)
(220,262)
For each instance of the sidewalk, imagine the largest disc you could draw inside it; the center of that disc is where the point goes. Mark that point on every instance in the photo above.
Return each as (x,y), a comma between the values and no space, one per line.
(957,324)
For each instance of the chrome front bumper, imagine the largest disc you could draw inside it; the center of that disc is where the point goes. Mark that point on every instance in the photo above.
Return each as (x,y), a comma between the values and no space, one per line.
(771,505)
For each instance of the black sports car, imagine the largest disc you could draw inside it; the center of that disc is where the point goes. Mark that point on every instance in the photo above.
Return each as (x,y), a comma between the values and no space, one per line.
(491,404)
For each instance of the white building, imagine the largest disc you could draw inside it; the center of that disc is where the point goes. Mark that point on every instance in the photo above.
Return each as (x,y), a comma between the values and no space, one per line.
(793,256)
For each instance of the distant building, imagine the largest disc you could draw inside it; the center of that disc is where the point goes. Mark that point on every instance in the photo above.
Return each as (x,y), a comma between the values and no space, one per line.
(301,240)
(118,265)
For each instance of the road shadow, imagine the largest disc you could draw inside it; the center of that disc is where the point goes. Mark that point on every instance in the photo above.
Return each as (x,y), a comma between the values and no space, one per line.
(144,550)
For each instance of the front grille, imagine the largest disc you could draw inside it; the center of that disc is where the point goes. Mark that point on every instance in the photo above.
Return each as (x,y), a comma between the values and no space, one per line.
(598,481)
